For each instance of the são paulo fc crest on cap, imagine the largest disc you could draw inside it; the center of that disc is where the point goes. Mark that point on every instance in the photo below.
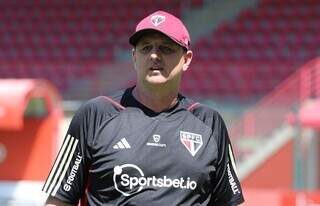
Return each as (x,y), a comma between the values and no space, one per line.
(157,19)
(191,141)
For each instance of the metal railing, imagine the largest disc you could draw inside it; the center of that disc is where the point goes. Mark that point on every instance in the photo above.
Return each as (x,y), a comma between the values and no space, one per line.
(278,106)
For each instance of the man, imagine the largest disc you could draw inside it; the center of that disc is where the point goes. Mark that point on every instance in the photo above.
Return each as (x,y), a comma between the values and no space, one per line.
(147,145)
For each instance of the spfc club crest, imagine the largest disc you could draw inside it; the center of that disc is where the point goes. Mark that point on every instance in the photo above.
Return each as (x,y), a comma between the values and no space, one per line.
(157,19)
(191,141)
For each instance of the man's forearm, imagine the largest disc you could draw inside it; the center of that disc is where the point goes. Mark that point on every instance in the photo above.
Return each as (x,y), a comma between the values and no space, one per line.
(51,201)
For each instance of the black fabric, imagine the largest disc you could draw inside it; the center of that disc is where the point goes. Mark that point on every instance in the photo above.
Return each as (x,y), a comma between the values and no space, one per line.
(135,156)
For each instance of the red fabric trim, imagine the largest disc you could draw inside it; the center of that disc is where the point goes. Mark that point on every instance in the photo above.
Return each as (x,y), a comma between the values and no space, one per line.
(83,201)
(194,105)
(115,103)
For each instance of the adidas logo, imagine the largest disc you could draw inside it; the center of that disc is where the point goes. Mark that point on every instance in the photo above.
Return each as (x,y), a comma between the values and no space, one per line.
(122,144)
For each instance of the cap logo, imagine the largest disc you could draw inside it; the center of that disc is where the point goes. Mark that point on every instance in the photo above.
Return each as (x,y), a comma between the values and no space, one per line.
(157,19)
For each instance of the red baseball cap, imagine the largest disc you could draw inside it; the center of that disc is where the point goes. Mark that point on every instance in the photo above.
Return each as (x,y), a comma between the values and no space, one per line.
(165,23)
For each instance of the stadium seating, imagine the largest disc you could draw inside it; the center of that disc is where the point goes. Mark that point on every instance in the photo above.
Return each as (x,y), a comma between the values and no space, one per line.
(249,56)
(261,47)
(64,40)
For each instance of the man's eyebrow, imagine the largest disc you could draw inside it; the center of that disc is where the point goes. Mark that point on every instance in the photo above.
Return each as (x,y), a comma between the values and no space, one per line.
(143,42)
(165,42)
(168,42)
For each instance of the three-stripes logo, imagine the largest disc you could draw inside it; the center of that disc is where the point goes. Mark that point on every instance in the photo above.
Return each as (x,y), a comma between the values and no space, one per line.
(122,144)
(61,166)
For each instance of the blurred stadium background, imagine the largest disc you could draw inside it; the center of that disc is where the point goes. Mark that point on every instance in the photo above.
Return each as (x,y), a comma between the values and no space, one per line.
(255,61)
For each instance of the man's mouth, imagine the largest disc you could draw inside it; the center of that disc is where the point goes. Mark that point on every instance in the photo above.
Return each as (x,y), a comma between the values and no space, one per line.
(156,68)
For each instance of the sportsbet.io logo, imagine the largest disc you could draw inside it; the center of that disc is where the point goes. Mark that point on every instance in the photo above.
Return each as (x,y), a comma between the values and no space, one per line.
(129,179)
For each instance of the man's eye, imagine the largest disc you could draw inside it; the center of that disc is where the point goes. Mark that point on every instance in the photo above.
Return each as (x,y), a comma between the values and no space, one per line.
(166,49)
(146,48)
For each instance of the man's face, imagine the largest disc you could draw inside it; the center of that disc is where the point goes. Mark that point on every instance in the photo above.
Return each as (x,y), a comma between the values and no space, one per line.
(159,60)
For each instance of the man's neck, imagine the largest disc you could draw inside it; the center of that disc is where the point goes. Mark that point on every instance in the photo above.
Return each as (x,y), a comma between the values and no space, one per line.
(154,99)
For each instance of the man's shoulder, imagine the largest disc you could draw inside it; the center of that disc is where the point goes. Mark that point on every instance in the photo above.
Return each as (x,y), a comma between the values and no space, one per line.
(198,108)
(105,103)
(204,113)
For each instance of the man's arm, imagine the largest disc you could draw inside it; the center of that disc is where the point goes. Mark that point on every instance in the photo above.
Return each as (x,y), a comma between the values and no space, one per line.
(72,154)
(51,201)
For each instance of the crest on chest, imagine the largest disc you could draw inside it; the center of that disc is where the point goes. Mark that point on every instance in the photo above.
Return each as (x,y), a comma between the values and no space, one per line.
(191,141)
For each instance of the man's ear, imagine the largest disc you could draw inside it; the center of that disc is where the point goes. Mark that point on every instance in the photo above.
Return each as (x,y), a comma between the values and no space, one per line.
(187,60)
(133,57)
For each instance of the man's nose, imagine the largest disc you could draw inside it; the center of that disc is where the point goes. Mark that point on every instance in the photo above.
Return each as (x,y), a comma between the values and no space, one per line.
(155,54)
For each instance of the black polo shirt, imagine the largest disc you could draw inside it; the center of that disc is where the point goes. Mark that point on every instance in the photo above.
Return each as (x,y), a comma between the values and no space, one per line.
(119,152)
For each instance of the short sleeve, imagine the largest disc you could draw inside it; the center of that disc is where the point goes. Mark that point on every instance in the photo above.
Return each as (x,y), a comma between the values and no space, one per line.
(227,189)
(67,178)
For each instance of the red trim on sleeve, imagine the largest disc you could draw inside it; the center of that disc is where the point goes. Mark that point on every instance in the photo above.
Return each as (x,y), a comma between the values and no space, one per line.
(115,103)
(83,201)
(192,106)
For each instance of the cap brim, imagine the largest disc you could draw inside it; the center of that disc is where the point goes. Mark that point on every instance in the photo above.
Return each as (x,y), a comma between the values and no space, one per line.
(133,40)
